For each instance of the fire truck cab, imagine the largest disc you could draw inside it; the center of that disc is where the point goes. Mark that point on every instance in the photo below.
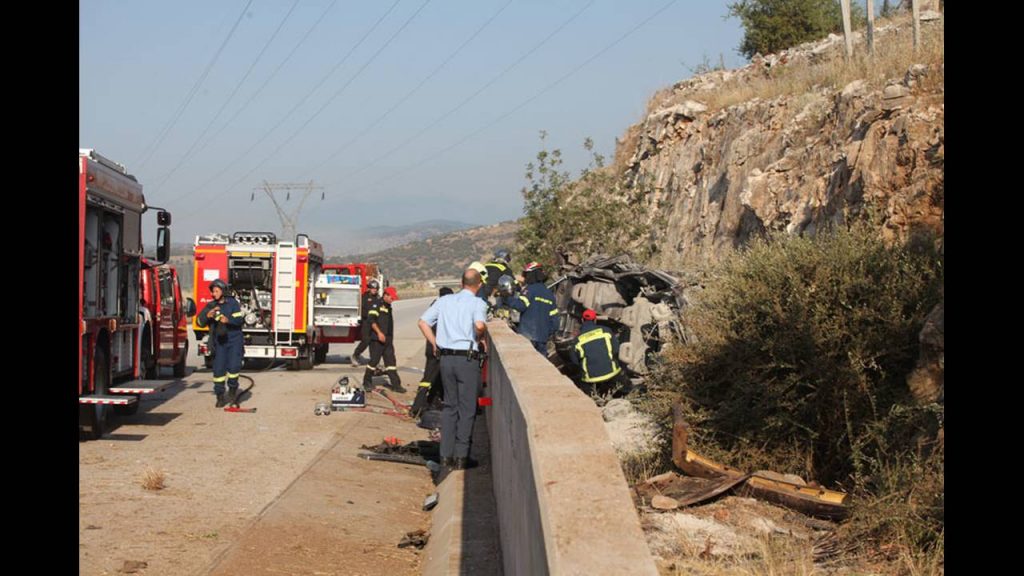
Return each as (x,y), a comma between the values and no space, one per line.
(273,281)
(165,320)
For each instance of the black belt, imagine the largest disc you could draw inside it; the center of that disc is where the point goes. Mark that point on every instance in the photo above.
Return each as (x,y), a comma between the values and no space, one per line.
(467,353)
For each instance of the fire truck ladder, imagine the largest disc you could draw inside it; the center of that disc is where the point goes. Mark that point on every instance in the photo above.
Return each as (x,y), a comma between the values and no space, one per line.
(284,288)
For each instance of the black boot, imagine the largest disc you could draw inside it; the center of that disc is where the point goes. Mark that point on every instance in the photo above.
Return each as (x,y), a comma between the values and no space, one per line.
(465,463)
(233,397)
(221,400)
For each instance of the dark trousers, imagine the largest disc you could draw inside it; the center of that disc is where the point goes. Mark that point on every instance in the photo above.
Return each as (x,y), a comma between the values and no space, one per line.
(461,380)
(227,364)
(620,385)
(386,351)
(430,384)
(541,347)
(364,338)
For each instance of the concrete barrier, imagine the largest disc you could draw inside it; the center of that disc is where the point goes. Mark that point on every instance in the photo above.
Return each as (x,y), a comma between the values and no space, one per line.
(563,504)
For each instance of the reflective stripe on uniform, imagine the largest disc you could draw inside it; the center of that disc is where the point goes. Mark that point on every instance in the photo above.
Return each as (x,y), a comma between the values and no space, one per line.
(554,312)
(219,378)
(588,338)
(230,375)
(237,314)
(373,313)
(612,374)
(544,300)
(525,300)
(391,367)
(425,384)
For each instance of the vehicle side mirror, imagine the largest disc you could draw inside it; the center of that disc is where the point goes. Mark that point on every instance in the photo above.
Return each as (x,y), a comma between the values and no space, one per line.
(190,307)
(163,244)
(163,218)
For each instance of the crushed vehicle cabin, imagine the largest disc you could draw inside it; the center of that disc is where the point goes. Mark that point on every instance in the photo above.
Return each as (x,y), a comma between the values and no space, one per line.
(640,305)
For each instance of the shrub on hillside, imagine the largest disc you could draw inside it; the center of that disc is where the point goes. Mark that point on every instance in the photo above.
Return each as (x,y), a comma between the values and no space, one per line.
(803,348)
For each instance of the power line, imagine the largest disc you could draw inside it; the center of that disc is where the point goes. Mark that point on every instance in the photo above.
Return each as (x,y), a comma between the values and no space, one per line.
(290,112)
(472,96)
(238,85)
(273,74)
(152,148)
(331,99)
(521,105)
(409,94)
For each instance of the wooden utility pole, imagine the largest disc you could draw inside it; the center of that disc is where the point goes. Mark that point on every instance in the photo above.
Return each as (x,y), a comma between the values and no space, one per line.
(915,7)
(289,222)
(871,27)
(847,31)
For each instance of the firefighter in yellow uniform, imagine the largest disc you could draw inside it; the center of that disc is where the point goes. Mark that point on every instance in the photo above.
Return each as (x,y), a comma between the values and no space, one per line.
(595,351)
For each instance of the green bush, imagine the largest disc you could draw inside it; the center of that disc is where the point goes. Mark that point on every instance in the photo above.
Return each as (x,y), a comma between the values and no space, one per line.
(593,214)
(805,344)
(773,25)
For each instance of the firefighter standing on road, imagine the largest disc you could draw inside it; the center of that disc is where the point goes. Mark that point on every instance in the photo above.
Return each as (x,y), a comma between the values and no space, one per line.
(430,385)
(382,343)
(370,299)
(595,351)
(538,316)
(225,313)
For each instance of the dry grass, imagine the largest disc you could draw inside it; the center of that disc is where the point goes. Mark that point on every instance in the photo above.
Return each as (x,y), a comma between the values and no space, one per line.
(894,54)
(639,466)
(153,479)
(775,556)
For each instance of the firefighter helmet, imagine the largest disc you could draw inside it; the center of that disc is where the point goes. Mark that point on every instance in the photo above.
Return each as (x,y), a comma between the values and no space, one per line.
(218,283)
(505,285)
(373,285)
(503,255)
(531,267)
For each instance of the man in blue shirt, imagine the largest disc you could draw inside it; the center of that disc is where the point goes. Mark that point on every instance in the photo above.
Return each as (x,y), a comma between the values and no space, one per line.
(461,321)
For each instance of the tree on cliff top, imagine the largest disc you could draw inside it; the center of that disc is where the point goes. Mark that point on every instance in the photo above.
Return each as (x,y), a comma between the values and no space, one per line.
(773,25)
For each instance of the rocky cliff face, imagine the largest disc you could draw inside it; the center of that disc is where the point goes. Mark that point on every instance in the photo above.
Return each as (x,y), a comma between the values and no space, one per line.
(724,167)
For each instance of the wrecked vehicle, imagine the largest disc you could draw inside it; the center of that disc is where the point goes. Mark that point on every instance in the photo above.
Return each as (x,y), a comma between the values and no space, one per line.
(640,305)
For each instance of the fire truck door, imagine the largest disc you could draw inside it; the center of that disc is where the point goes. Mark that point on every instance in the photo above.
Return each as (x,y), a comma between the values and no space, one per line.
(167,320)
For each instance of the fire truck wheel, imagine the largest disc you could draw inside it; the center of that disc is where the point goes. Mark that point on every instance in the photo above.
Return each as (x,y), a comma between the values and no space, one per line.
(321,353)
(150,371)
(305,363)
(179,368)
(94,416)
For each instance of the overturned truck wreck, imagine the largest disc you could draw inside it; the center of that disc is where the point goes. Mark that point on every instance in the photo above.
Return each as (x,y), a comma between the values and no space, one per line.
(641,306)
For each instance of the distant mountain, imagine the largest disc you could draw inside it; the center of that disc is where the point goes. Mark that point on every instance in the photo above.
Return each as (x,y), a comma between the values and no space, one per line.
(377,238)
(443,256)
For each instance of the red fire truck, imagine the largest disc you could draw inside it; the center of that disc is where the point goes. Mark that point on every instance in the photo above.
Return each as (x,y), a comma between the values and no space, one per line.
(273,282)
(338,297)
(165,320)
(110,208)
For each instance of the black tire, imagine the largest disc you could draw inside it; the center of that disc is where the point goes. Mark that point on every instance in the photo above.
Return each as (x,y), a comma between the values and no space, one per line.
(179,368)
(150,370)
(305,363)
(320,356)
(93,417)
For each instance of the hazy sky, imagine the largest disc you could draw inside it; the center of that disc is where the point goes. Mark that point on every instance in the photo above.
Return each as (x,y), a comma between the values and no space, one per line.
(395,108)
